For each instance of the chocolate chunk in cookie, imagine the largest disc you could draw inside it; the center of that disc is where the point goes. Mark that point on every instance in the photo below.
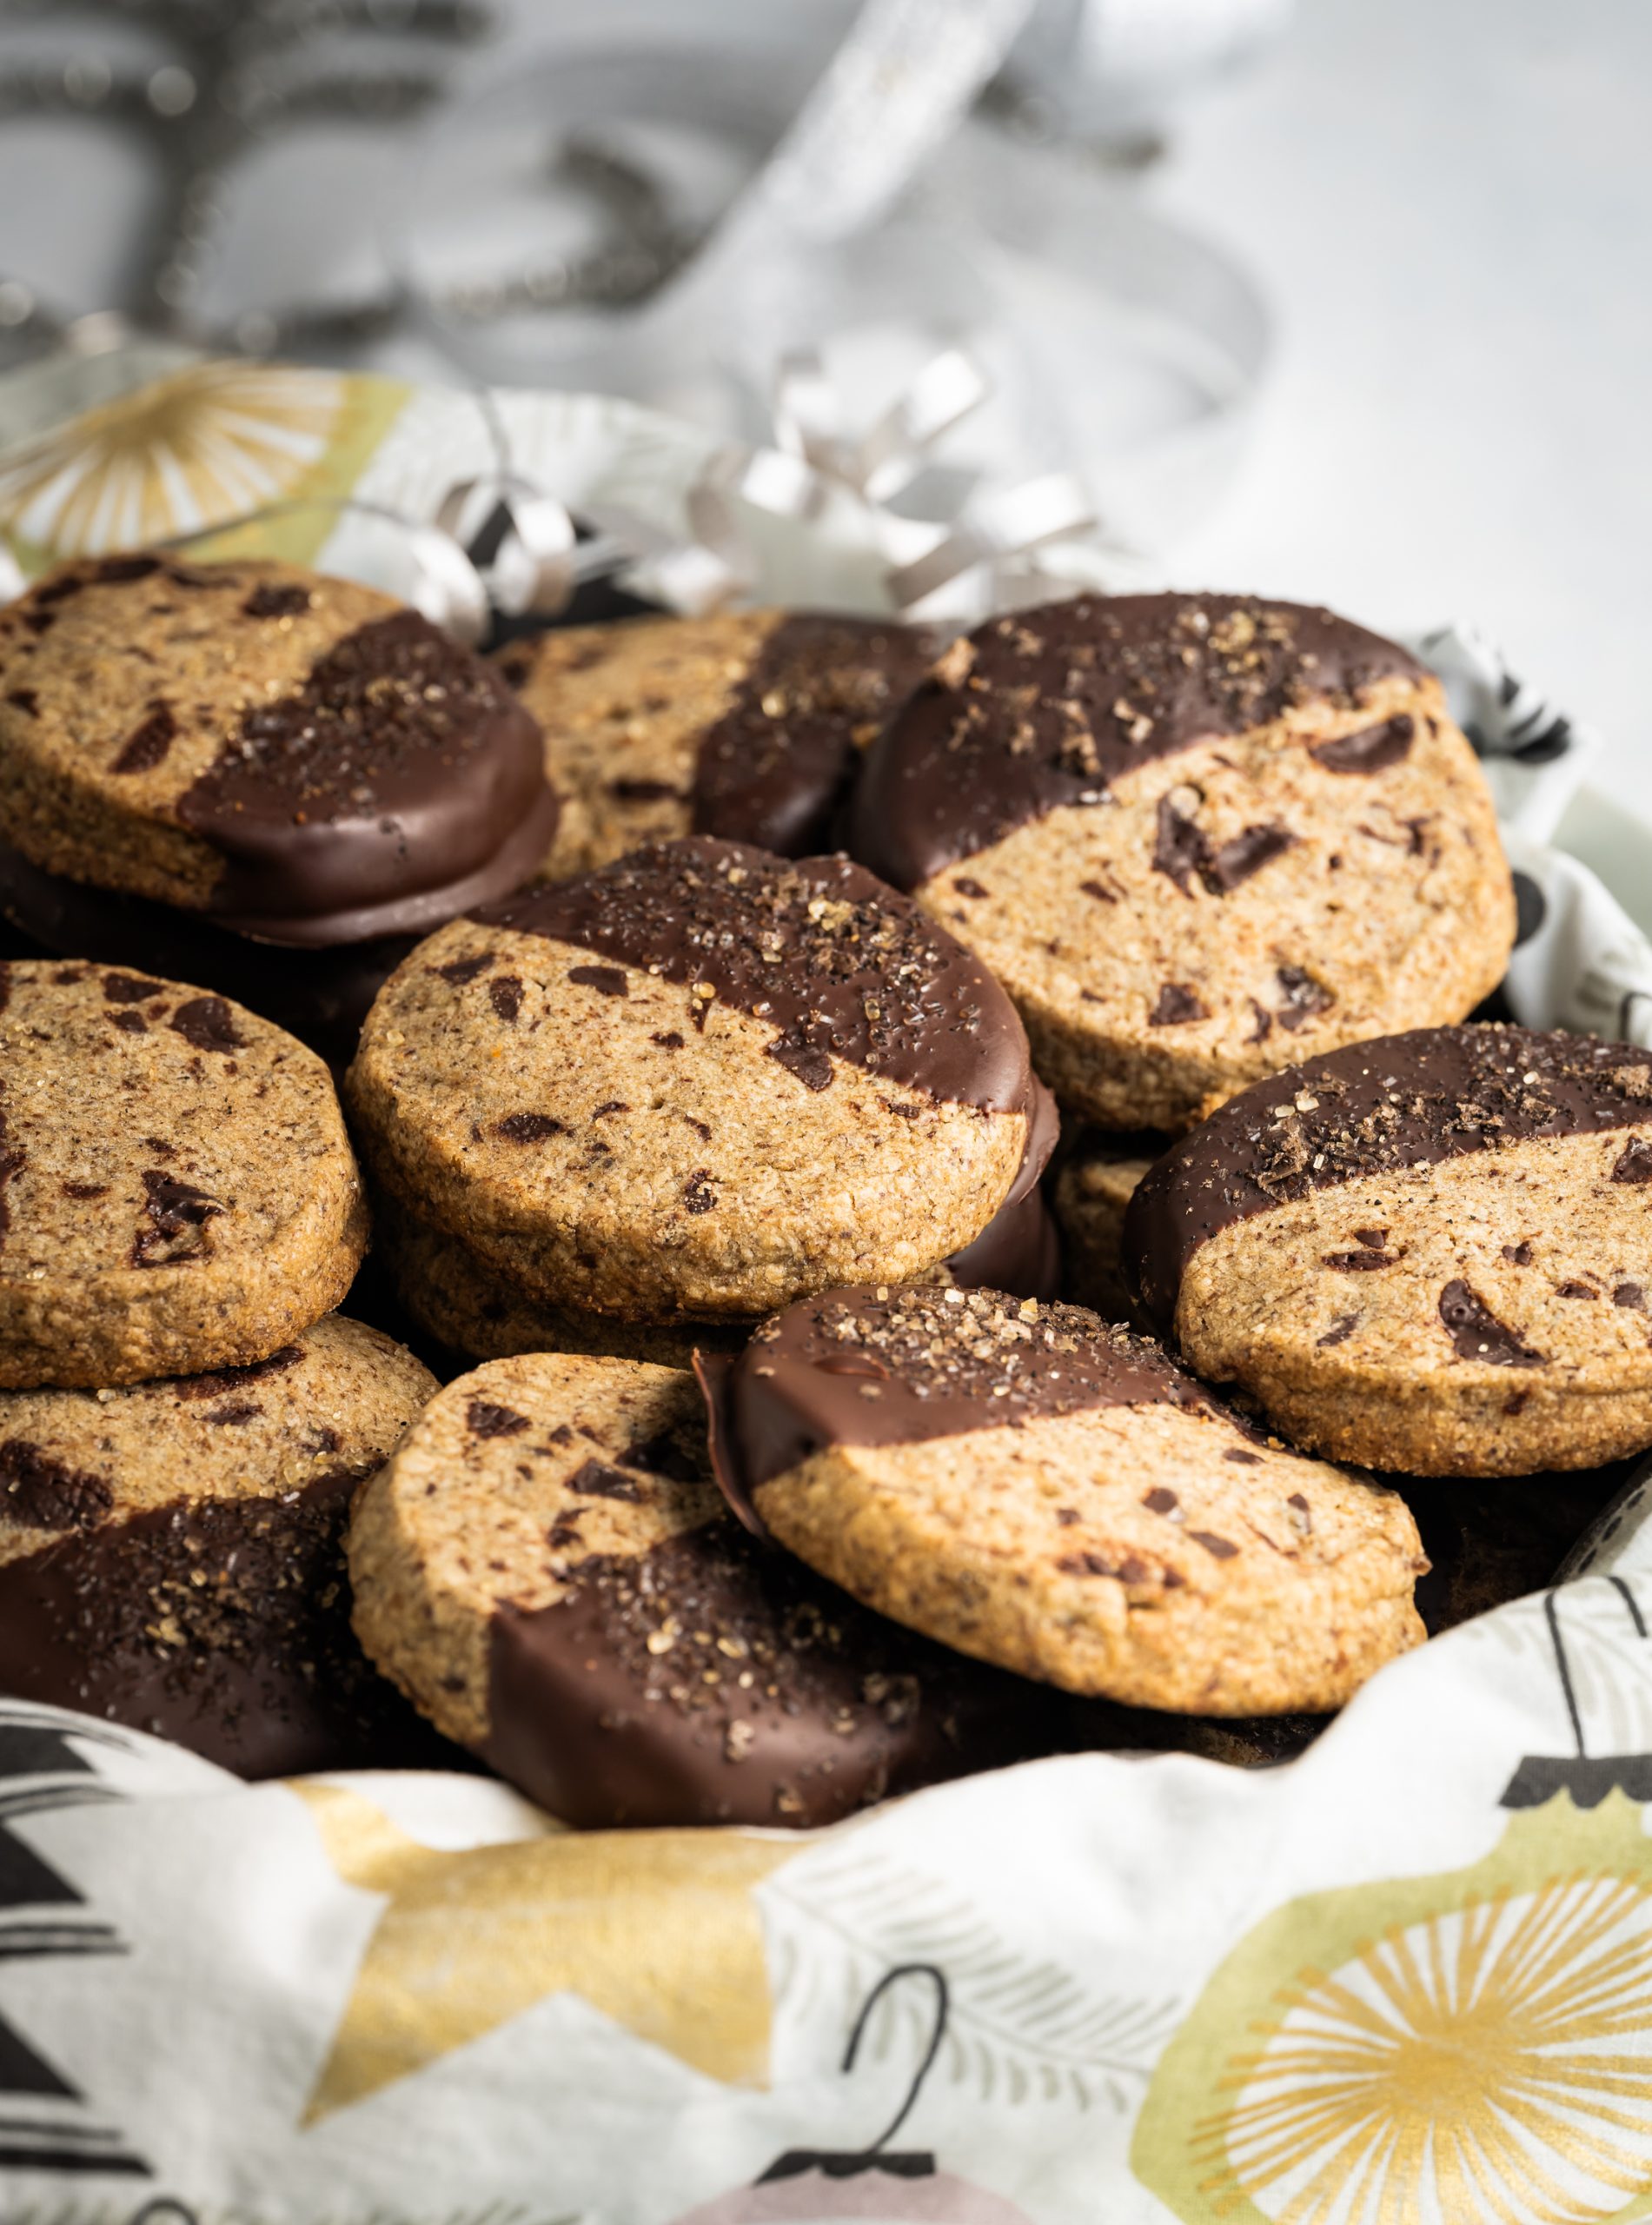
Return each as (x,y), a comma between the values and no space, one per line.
(176,1187)
(698,1082)
(548,1571)
(1410,1252)
(746,725)
(1034,1488)
(1197,837)
(171,1554)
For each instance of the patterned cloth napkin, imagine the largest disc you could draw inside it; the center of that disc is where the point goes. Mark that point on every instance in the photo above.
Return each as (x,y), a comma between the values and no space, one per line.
(1405,1977)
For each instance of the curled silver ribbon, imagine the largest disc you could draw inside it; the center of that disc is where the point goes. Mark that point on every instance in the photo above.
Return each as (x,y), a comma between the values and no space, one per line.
(499,543)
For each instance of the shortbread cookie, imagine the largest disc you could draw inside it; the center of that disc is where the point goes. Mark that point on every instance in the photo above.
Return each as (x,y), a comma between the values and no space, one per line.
(548,1571)
(1197,837)
(1429,1252)
(321,996)
(171,1554)
(1098,1178)
(698,1083)
(469,1307)
(290,758)
(176,1188)
(746,725)
(473,1309)
(1035,1488)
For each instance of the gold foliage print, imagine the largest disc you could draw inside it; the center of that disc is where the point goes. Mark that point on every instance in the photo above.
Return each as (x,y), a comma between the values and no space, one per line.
(1483,2061)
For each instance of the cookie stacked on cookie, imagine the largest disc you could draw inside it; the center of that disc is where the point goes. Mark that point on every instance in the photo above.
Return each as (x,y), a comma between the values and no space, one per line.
(748,725)
(182,1415)
(253,776)
(788,1480)
(1195,837)
(689,1086)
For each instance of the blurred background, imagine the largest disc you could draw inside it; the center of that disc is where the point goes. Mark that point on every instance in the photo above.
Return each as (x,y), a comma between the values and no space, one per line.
(1346,300)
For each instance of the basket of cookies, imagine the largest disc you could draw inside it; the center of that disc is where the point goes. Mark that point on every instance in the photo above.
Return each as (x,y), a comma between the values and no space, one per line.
(809,1408)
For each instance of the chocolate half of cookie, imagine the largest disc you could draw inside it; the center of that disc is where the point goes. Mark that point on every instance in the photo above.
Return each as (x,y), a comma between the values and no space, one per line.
(701,1080)
(1195,836)
(746,725)
(296,758)
(1030,1486)
(1431,1252)
(548,1571)
(171,1555)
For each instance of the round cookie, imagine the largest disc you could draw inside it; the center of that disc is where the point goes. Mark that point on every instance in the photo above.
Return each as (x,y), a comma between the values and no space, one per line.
(171,1554)
(298,759)
(468,1305)
(698,1083)
(1028,1486)
(474,1310)
(1097,1178)
(746,725)
(1197,837)
(548,1571)
(1431,1252)
(321,996)
(176,1188)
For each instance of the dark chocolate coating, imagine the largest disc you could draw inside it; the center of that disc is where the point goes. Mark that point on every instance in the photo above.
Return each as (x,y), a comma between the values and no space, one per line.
(263,1676)
(1057,703)
(775,766)
(321,996)
(843,1707)
(376,798)
(1018,1251)
(907,1367)
(1370,1108)
(702,910)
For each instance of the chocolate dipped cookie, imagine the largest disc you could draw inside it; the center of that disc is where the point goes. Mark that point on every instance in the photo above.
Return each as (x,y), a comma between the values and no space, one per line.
(470,1307)
(1429,1252)
(698,1082)
(171,1554)
(216,760)
(1041,1491)
(748,725)
(1197,838)
(176,1188)
(548,1572)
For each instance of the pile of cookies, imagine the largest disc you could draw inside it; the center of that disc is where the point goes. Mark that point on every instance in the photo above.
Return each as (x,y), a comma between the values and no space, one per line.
(700,996)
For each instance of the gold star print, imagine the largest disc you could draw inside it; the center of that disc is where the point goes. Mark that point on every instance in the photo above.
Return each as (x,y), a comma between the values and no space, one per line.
(657,1930)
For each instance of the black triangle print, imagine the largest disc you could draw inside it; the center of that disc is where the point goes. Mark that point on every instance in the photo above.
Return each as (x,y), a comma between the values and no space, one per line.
(45,2122)
(27,1882)
(39,1749)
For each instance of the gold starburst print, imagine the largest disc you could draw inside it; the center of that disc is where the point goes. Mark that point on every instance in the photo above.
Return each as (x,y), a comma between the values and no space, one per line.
(208,444)
(1485,2061)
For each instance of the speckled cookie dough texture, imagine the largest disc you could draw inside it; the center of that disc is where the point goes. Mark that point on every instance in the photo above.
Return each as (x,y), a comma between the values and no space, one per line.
(171,1554)
(475,1310)
(1197,837)
(1432,1251)
(1043,1492)
(698,1083)
(176,1188)
(299,758)
(548,1571)
(748,725)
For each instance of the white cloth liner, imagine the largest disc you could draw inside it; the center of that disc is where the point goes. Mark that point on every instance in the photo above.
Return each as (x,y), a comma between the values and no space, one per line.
(399,1999)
